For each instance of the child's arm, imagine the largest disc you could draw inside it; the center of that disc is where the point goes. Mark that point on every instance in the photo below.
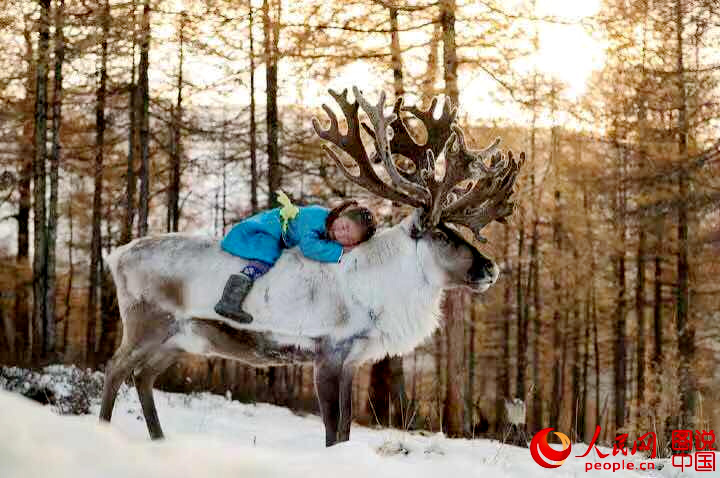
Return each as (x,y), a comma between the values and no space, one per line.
(313,247)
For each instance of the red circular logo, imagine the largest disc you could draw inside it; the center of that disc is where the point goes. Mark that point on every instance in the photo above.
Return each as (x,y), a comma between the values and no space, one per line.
(539,445)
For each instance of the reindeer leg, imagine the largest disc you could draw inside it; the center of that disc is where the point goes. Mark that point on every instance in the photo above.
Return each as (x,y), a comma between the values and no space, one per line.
(117,370)
(144,381)
(327,380)
(139,342)
(345,402)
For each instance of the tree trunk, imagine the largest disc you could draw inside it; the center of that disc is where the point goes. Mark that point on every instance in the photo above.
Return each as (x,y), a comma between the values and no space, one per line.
(173,207)
(640,301)
(71,274)
(684,327)
(271,30)
(386,393)
(22,337)
(533,288)
(657,298)
(535,422)
(559,344)
(144,113)
(395,53)
(54,167)
(640,315)
(133,145)
(576,331)
(589,294)
(109,318)
(577,328)
(521,319)
(583,404)
(438,354)
(22,325)
(272,33)
(558,338)
(94,276)
(428,90)
(223,159)
(454,319)
(455,299)
(619,353)
(560,305)
(447,20)
(596,353)
(253,126)
(470,362)
(39,171)
(502,367)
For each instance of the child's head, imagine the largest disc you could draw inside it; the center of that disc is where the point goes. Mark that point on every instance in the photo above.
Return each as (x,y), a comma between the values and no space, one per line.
(350,224)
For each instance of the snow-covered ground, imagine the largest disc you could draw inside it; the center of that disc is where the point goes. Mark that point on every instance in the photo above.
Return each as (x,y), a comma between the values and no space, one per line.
(209,436)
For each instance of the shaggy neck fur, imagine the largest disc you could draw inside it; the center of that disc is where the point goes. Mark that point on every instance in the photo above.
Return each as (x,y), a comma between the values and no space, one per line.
(392,279)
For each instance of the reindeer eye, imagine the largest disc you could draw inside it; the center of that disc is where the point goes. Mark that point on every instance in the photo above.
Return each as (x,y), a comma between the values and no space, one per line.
(440,236)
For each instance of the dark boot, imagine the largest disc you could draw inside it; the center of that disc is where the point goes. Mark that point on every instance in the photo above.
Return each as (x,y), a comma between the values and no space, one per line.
(237,288)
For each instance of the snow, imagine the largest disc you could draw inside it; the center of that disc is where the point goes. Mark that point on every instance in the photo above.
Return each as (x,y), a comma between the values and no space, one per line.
(210,436)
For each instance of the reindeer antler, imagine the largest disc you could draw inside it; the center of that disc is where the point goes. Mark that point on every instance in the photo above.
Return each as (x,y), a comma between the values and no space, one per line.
(383,148)
(352,145)
(484,199)
(403,143)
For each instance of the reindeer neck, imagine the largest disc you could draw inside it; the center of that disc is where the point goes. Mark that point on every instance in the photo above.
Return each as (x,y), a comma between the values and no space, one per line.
(385,278)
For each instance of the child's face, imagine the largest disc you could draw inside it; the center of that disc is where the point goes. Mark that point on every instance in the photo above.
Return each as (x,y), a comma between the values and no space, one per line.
(346,231)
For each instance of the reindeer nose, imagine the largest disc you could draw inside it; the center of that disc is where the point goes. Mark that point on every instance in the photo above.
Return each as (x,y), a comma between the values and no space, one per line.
(494,272)
(483,270)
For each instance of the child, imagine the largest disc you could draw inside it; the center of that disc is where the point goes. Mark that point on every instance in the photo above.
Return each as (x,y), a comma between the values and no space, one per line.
(321,234)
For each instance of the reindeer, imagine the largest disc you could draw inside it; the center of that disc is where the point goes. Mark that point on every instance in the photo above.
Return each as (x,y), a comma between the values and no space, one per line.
(382,298)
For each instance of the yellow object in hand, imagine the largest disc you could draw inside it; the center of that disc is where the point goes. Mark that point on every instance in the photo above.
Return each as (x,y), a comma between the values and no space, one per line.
(288,210)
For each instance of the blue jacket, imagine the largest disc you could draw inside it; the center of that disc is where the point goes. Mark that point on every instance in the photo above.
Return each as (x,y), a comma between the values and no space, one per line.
(260,236)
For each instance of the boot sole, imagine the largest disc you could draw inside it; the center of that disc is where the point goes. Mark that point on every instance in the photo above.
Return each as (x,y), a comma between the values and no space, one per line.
(243,319)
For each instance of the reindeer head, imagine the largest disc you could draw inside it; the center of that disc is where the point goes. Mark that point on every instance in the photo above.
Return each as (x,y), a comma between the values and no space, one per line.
(474,190)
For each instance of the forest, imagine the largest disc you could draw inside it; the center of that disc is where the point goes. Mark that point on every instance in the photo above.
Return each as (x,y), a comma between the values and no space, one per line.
(126,118)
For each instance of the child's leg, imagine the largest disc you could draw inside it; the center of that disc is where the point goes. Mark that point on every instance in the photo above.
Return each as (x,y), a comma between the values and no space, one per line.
(254,269)
(237,288)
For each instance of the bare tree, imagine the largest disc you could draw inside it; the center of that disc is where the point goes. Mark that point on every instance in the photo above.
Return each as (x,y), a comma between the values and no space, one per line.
(59,41)
(22,338)
(39,171)
(144,112)
(133,140)
(95,274)
(271,27)
(173,190)
(455,300)
(253,126)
